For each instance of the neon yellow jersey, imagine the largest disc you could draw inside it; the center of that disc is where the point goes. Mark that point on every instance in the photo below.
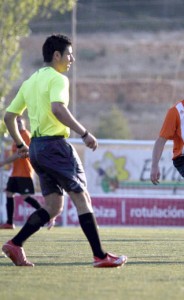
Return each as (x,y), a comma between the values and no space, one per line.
(36,94)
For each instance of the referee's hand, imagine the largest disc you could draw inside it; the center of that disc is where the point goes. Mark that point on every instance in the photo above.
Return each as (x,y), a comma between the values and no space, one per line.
(90,141)
(23,152)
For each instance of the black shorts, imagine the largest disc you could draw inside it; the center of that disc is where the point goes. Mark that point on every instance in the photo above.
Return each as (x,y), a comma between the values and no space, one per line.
(179,164)
(57,164)
(20,185)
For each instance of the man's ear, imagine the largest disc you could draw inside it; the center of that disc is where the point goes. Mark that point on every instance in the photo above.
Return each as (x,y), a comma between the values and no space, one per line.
(57,55)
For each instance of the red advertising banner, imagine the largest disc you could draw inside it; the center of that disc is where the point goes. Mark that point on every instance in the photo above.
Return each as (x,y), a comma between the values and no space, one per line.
(107,211)
(24,210)
(133,211)
(117,211)
(153,212)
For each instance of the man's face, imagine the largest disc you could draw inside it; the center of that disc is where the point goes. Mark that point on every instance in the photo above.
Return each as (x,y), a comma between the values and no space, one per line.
(64,61)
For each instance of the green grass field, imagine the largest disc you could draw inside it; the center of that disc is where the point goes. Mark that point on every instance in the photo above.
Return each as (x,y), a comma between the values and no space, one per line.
(63,266)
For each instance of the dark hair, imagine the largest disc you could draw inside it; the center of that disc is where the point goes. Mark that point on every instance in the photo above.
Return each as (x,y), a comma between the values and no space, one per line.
(55,42)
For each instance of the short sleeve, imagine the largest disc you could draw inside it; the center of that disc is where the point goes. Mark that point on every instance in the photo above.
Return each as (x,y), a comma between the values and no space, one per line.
(170,124)
(18,104)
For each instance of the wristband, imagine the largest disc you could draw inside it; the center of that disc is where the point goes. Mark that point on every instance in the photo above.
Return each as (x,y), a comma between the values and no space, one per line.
(20,146)
(84,135)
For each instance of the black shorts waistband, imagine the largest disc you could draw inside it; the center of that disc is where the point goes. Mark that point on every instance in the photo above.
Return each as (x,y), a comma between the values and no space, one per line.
(47,138)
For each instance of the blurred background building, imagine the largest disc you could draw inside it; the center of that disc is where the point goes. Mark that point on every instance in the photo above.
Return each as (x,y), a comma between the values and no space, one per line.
(129,62)
(129,58)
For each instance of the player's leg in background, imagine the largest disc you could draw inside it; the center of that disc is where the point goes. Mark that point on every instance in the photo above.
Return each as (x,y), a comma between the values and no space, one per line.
(9,211)
(52,207)
(31,201)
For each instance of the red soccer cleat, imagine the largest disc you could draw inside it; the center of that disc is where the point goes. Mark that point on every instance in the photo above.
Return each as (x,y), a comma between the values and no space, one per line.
(7,226)
(110,261)
(16,254)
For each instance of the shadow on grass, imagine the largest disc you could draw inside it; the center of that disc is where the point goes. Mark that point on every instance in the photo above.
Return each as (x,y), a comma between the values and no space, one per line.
(155,262)
(8,262)
(39,264)
(142,240)
(121,240)
(69,264)
(72,264)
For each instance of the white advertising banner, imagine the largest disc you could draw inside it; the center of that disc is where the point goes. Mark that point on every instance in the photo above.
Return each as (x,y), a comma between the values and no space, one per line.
(112,170)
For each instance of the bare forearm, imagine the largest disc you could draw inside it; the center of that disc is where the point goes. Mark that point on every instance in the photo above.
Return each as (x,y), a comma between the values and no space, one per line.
(11,124)
(157,150)
(66,118)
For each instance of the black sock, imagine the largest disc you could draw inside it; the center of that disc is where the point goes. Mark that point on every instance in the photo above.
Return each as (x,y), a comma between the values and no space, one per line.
(89,227)
(39,218)
(33,202)
(10,209)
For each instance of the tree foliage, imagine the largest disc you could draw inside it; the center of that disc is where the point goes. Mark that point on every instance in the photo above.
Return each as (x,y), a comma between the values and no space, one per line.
(113,125)
(15,16)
